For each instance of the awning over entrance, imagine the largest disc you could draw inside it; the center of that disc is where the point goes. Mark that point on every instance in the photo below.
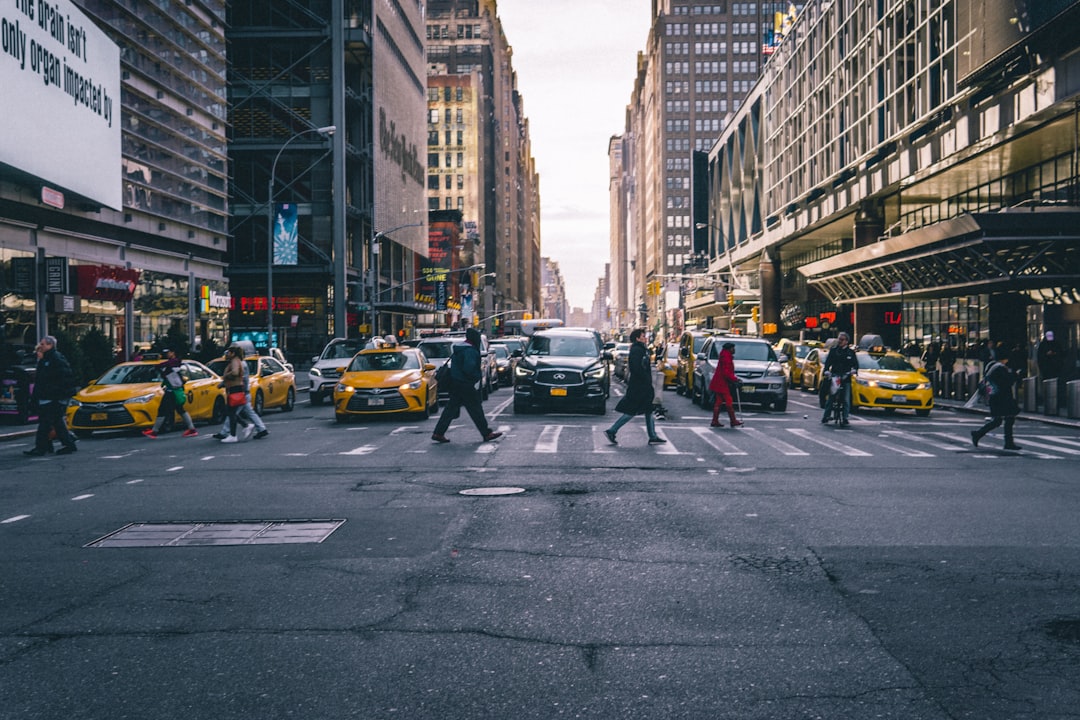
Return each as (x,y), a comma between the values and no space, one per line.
(1011,250)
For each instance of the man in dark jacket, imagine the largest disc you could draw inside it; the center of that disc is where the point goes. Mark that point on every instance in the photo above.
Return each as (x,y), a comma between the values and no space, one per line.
(1003,406)
(466,375)
(841,362)
(54,384)
(638,399)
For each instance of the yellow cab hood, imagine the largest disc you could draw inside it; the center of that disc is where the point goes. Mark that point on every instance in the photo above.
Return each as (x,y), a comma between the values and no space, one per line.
(379,378)
(115,393)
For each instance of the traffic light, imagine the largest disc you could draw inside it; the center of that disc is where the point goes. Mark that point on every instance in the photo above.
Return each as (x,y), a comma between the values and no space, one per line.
(730,300)
(754,314)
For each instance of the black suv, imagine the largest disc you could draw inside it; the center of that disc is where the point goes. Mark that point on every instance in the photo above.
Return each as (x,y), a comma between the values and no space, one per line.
(563,368)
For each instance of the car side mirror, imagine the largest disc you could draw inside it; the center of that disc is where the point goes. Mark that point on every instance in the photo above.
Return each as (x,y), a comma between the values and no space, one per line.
(517,353)
(428,367)
(606,355)
(314,359)
(783,358)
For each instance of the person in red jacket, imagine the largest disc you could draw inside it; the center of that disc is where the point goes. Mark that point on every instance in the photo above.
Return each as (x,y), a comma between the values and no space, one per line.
(722,381)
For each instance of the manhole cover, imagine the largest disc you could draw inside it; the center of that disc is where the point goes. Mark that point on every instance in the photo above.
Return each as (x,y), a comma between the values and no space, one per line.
(493,491)
(185,534)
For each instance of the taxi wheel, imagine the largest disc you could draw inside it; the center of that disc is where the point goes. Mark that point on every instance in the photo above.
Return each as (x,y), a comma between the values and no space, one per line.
(780,405)
(290,401)
(218,415)
(259,403)
(341,419)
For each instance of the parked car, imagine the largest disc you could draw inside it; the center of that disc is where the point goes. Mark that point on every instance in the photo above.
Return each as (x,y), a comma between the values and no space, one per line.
(669,364)
(756,364)
(791,354)
(271,384)
(487,363)
(327,366)
(690,344)
(810,369)
(384,381)
(504,364)
(127,396)
(619,354)
(563,369)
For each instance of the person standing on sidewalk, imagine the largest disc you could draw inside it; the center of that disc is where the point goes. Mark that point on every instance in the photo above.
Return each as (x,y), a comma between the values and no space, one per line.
(723,379)
(1003,407)
(171,403)
(54,384)
(638,399)
(466,376)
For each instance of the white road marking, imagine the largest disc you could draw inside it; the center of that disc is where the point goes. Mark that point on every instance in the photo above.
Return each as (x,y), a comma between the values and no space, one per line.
(82,497)
(774,442)
(548,442)
(16,518)
(717,443)
(134,482)
(362,450)
(916,438)
(174,468)
(600,441)
(831,444)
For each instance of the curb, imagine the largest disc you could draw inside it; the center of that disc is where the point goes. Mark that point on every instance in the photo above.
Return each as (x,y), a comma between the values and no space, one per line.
(957,406)
(17,434)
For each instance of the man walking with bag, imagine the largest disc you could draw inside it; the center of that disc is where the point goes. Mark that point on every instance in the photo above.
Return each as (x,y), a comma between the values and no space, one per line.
(1003,408)
(639,396)
(465,378)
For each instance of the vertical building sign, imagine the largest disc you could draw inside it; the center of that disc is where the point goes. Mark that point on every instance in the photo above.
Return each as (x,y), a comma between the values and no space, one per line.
(56,275)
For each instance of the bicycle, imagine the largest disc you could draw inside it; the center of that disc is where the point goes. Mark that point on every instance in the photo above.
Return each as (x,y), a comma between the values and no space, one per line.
(835,401)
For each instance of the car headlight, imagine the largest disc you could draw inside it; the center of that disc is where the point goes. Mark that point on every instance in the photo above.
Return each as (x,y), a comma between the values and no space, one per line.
(342,387)
(597,373)
(74,403)
(141,399)
(414,385)
(522,371)
(923,386)
(315,371)
(775,372)
(865,383)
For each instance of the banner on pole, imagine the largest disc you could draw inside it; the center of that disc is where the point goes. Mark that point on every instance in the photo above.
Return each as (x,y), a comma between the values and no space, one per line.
(285,234)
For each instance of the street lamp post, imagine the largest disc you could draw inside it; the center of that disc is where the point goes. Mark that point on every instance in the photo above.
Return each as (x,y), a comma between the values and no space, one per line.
(325,131)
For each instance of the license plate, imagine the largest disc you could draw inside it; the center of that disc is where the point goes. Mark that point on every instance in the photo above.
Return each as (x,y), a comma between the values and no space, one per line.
(558,391)
(99,417)
(747,389)
(899,398)
(374,402)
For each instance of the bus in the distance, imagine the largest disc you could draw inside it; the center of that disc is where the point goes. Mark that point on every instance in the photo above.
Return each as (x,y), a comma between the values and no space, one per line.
(528,327)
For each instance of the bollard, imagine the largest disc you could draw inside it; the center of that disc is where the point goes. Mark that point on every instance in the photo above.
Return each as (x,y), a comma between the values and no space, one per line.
(945,388)
(959,385)
(972,383)
(1073,388)
(1031,394)
(1050,398)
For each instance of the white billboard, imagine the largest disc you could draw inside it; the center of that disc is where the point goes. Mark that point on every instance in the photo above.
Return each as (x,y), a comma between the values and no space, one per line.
(60,76)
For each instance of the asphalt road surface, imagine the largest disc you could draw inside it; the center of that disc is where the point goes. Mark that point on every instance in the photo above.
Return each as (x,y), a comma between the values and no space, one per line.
(780,570)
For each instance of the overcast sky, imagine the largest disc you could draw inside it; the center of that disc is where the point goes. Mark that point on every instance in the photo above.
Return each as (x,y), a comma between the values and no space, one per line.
(576,61)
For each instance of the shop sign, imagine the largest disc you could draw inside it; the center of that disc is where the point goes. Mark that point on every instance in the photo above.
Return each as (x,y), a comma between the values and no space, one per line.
(56,275)
(107,283)
(212,300)
(23,270)
(51,197)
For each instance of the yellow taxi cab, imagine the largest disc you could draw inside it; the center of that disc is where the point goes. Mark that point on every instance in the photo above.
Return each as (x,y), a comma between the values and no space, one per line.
(127,396)
(384,381)
(795,352)
(271,384)
(810,368)
(887,380)
(669,364)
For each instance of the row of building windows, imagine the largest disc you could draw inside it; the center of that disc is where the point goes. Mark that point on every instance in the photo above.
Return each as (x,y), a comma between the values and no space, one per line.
(452,117)
(678,202)
(463,32)
(447,94)
(433,160)
(447,204)
(433,182)
(698,10)
(433,137)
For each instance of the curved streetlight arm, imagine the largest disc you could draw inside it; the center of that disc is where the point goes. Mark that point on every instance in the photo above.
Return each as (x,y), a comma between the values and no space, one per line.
(325,131)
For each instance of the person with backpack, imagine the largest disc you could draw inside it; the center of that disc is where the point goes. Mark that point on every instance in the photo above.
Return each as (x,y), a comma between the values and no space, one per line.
(998,384)
(174,398)
(466,377)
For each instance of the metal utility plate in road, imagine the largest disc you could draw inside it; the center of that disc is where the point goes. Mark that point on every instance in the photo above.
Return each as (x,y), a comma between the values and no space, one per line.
(186,534)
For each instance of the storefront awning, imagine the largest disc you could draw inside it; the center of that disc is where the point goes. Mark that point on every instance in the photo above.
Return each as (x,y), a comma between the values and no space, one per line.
(1011,250)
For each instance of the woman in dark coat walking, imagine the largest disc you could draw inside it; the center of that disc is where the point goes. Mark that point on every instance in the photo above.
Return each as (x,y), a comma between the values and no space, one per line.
(1003,407)
(639,396)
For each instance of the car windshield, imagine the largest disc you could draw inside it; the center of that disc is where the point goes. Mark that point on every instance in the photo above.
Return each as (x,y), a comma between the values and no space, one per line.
(801,351)
(440,350)
(759,352)
(698,342)
(384,361)
(672,351)
(500,352)
(340,351)
(563,346)
(622,347)
(130,375)
(885,362)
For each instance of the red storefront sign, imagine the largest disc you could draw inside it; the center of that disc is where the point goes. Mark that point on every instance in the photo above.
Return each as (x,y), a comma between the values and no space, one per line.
(107,283)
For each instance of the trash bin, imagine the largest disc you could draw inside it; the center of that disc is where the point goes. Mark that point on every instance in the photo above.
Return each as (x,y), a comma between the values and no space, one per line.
(1050,398)
(1073,388)
(1031,394)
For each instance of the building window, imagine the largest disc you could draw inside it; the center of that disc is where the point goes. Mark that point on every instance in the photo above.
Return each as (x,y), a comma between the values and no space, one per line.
(432,182)
(449,181)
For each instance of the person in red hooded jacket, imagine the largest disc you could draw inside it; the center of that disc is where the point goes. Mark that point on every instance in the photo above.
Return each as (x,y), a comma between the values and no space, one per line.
(722,381)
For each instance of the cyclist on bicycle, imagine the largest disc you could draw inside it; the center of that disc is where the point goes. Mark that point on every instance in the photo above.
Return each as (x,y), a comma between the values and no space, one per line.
(842,363)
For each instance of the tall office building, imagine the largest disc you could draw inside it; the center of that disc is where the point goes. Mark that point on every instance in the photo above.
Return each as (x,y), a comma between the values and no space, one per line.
(347,209)
(113,171)
(480,156)
(700,61)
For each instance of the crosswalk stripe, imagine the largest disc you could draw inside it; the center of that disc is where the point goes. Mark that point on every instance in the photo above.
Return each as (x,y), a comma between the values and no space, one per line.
(1054,438)
(1068,451)
(901,450)
(718,443)
(831,444)
(774,442)
(916,438)
(965,441)
(548,442)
